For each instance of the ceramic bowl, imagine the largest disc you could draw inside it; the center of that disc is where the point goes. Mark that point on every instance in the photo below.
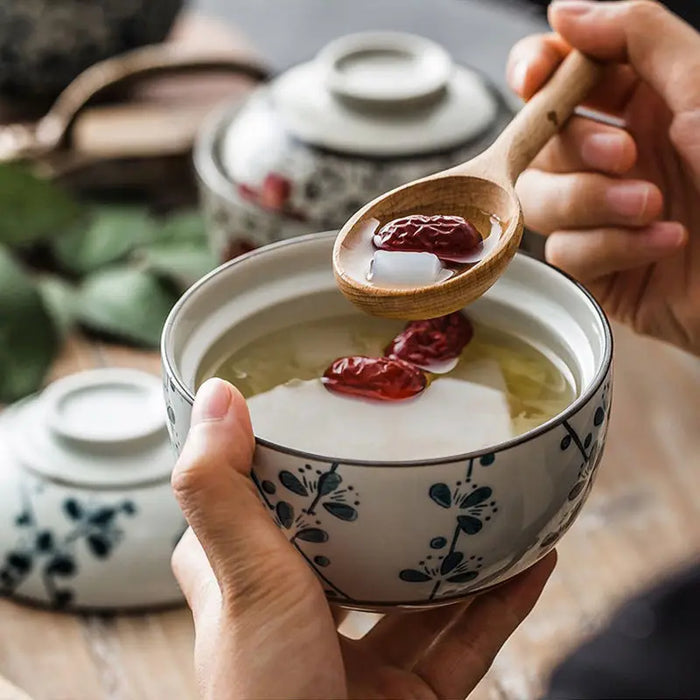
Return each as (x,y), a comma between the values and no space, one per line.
(408,534)
(305,151)
(44,44)
(88,520)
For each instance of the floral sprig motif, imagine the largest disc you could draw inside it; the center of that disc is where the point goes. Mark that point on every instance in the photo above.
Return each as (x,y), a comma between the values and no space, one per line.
(326,494)
(590,453)
(475,507)
(40,549)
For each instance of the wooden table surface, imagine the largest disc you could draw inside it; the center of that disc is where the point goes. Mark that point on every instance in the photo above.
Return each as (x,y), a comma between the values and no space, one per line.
(641,521)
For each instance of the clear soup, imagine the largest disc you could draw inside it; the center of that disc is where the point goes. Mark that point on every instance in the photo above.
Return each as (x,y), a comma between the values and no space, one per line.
(535,387)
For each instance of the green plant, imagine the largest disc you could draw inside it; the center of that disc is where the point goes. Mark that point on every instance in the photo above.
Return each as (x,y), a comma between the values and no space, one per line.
(111,270)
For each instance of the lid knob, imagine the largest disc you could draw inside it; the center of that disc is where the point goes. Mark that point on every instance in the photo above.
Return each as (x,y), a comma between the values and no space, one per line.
(386,68)
(105,406)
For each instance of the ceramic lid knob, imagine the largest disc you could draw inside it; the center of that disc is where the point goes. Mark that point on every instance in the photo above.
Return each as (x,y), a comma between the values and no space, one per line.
(99,428)
(385,68)
(373,94)
(105,407)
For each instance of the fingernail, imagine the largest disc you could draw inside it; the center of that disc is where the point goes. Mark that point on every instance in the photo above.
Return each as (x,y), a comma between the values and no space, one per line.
(573,7)
(665,235)
(604,151)
(212,401)
(518,77)
(629,199)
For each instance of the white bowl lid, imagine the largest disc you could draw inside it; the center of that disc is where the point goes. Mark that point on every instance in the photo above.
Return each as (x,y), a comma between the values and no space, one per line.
(383,94)
(101,428)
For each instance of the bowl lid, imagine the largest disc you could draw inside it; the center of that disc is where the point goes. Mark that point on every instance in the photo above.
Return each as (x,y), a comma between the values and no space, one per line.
(382,94)
(101,428)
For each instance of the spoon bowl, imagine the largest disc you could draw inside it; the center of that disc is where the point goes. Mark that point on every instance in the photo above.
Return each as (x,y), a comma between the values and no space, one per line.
(476,199)
(478,191)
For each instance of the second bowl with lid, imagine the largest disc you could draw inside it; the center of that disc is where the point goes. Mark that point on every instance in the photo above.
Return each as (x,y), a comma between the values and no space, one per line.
(370,112)
(87,516)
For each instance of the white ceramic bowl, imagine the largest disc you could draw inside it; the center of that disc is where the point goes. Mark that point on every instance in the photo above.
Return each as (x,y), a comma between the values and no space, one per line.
(384,534)
(306,150)
(88,520)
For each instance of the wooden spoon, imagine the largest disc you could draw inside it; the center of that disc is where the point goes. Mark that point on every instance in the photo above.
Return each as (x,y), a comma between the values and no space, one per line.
(476,190)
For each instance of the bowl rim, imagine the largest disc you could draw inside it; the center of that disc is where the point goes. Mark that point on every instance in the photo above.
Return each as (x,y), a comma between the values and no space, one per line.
(580,402)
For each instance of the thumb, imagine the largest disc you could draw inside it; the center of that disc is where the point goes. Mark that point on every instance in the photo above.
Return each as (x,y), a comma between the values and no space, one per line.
(662,48)
(212,484)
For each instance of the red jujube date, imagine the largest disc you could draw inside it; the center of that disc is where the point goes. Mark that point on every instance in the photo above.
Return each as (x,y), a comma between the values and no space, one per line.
(382,378)
(435,340)
(447,237)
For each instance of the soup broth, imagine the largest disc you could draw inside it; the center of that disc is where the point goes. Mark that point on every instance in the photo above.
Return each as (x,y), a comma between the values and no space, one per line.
(532,387)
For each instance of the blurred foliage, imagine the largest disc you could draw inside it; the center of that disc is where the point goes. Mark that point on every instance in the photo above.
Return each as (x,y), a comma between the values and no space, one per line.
(28,337)
(115,270)
(32,209)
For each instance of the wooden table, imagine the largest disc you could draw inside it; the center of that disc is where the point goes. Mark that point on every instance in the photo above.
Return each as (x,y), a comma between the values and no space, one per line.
(641,521)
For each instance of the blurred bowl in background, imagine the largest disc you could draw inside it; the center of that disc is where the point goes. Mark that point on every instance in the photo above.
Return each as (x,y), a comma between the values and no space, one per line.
(45,44)
(370,112)
(88,520)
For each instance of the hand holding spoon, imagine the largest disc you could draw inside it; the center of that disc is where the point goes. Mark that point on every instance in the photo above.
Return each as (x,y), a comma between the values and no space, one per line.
(476,190)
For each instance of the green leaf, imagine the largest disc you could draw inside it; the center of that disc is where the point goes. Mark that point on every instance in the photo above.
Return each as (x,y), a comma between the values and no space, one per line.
(108,237)
(186,226)
(32,208)
(60,300)
(28,339)
(183,263)
(125,302)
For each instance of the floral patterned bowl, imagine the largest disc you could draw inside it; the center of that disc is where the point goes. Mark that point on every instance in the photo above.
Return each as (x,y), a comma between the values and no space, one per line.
(371,112)
(87,517)
(382,534)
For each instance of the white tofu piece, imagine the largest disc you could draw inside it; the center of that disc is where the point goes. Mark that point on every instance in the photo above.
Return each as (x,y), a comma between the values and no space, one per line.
(449,418)
(396,269)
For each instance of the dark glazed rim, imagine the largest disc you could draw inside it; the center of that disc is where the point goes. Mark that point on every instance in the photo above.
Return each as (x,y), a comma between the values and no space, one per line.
(572,410)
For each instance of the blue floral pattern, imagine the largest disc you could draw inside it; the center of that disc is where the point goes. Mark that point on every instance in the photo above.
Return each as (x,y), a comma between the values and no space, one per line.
(590,453)
(96,526)
(326,494)
(474,507)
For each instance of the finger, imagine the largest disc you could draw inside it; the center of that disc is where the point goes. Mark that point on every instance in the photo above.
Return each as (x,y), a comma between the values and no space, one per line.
(201,591)
(194,575)
(662,48)
(403,637)
(587,145)
(192,569)
(586,200)
(590,255)
(211,482)
(533,60)
(460,657)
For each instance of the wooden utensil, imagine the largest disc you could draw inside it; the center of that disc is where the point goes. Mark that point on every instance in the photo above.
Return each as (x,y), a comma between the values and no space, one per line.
(476,190)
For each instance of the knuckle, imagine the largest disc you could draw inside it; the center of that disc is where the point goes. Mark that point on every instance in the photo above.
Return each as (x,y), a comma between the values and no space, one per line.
(555,251)
(644,13)
(505,609)
(188,479)
(243,589)
(685,132)
(479,660)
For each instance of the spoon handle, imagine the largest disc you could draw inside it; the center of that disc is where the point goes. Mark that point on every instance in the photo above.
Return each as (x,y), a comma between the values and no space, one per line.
(544,115)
